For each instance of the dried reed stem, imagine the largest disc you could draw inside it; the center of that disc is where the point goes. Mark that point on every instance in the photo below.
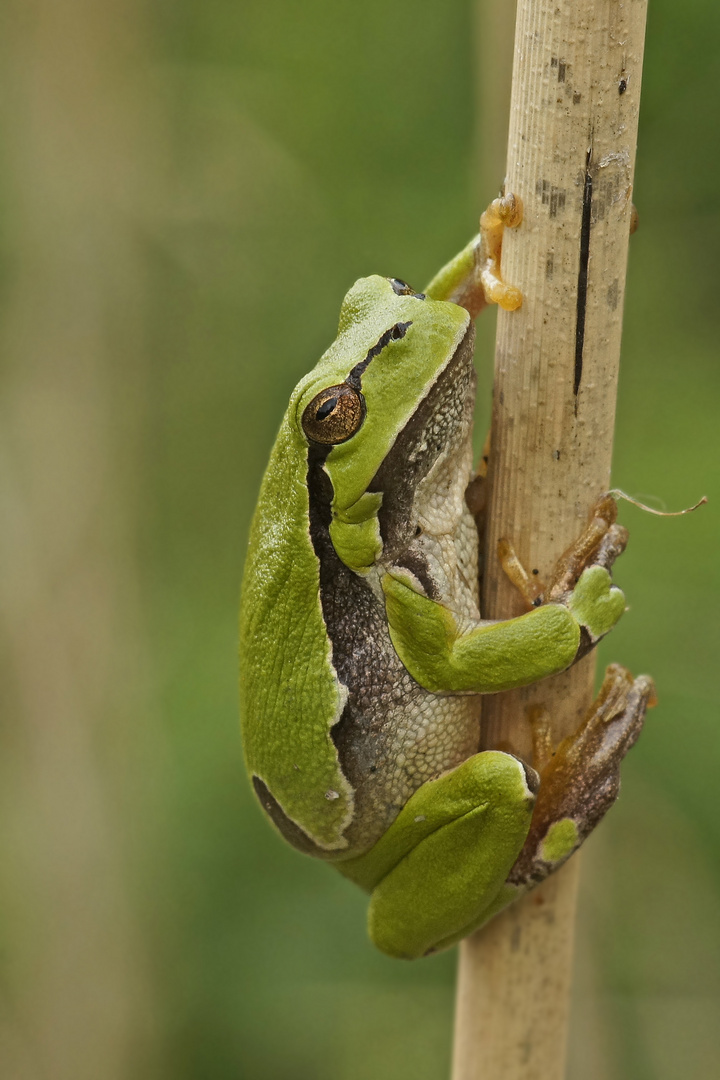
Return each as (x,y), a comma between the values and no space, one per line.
(571,154)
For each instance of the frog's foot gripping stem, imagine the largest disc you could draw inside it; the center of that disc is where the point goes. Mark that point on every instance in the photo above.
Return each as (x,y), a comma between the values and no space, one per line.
(476,493)
(473,279)
(504,212)
(600,544)
(580,781)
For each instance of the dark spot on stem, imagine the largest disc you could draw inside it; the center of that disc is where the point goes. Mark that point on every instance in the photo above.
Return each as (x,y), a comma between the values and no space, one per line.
(583,272)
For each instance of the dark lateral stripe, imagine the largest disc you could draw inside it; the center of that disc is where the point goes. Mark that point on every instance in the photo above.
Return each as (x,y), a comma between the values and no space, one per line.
(289,829)
(320,496)
(399,330)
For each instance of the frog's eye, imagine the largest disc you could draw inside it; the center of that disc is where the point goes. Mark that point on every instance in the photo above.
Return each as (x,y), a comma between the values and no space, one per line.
(401,288)
(334,415)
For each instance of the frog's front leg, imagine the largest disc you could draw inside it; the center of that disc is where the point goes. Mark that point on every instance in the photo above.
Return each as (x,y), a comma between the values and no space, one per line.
(447,855)
(447,653)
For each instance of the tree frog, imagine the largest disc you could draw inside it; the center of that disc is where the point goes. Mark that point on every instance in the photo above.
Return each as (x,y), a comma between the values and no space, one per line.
(363,649)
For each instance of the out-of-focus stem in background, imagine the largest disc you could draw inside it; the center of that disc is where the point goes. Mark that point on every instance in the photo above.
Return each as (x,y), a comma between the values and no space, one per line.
(77,997)
(494,36)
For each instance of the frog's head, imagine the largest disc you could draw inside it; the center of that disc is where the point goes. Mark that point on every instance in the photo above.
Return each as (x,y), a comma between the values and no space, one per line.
(381,406)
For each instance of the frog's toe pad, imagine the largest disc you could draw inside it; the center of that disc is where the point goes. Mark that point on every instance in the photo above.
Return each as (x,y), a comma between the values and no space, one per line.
(497,291)
(595,602)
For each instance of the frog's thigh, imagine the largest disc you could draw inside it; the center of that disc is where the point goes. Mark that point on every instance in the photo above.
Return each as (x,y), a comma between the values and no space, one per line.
(480,815)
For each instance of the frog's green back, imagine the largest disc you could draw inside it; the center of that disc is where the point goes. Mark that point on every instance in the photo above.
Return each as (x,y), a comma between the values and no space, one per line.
(289,695)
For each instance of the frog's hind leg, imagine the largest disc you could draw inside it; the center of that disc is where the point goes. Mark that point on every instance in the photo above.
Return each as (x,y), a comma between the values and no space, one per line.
(580,781)
(447,854)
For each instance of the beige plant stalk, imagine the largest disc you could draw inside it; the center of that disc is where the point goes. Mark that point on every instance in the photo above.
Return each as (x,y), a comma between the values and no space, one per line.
(571,154)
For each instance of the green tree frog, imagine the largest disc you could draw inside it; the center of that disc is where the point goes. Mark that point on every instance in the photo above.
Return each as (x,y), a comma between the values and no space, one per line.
(363,650)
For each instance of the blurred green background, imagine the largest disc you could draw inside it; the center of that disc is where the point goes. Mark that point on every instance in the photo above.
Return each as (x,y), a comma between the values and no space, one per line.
(187,191)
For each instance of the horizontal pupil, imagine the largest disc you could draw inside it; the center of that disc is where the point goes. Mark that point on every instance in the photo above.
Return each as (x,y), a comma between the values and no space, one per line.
(326,408)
